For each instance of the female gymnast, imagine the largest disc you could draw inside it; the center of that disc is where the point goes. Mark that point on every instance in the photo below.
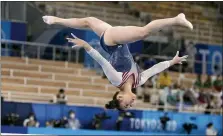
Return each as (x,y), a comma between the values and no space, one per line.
(119,67)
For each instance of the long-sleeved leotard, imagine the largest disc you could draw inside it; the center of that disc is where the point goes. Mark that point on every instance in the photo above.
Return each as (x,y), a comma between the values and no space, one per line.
(119,78)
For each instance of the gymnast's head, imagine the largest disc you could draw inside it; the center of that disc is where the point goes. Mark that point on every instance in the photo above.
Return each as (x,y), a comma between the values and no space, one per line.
(121,100)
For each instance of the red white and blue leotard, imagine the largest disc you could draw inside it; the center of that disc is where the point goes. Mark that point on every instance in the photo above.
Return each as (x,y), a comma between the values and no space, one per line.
(118,64)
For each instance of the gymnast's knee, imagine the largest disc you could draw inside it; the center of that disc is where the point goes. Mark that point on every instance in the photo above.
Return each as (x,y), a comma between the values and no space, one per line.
(143,32)
(89,20)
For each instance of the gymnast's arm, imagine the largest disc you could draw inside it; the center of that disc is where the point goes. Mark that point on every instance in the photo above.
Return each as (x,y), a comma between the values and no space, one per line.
(145,75)
(113,76)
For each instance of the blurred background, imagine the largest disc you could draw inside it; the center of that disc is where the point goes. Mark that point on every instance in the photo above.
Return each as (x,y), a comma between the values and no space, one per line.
(49,88)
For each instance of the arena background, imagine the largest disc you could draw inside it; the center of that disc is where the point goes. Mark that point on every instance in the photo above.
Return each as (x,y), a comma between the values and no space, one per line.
(37,61)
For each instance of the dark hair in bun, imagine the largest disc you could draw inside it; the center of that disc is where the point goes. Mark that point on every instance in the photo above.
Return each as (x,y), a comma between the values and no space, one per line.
(114,103)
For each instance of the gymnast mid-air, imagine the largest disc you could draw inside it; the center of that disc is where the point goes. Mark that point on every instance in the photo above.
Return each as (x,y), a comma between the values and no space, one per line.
(119,67)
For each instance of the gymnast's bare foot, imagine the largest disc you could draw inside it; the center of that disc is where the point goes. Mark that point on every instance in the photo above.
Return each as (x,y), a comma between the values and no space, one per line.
(181,20)
(50,19)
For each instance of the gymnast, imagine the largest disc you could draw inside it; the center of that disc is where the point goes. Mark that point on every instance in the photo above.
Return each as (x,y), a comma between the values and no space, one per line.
(119,67)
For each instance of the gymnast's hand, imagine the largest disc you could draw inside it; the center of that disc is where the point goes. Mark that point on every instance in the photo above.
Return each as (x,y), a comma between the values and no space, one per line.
(177,59)
(78,42)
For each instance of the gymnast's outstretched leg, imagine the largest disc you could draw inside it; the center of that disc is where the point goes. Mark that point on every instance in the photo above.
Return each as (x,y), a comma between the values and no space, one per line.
(129,34)
(97,25)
